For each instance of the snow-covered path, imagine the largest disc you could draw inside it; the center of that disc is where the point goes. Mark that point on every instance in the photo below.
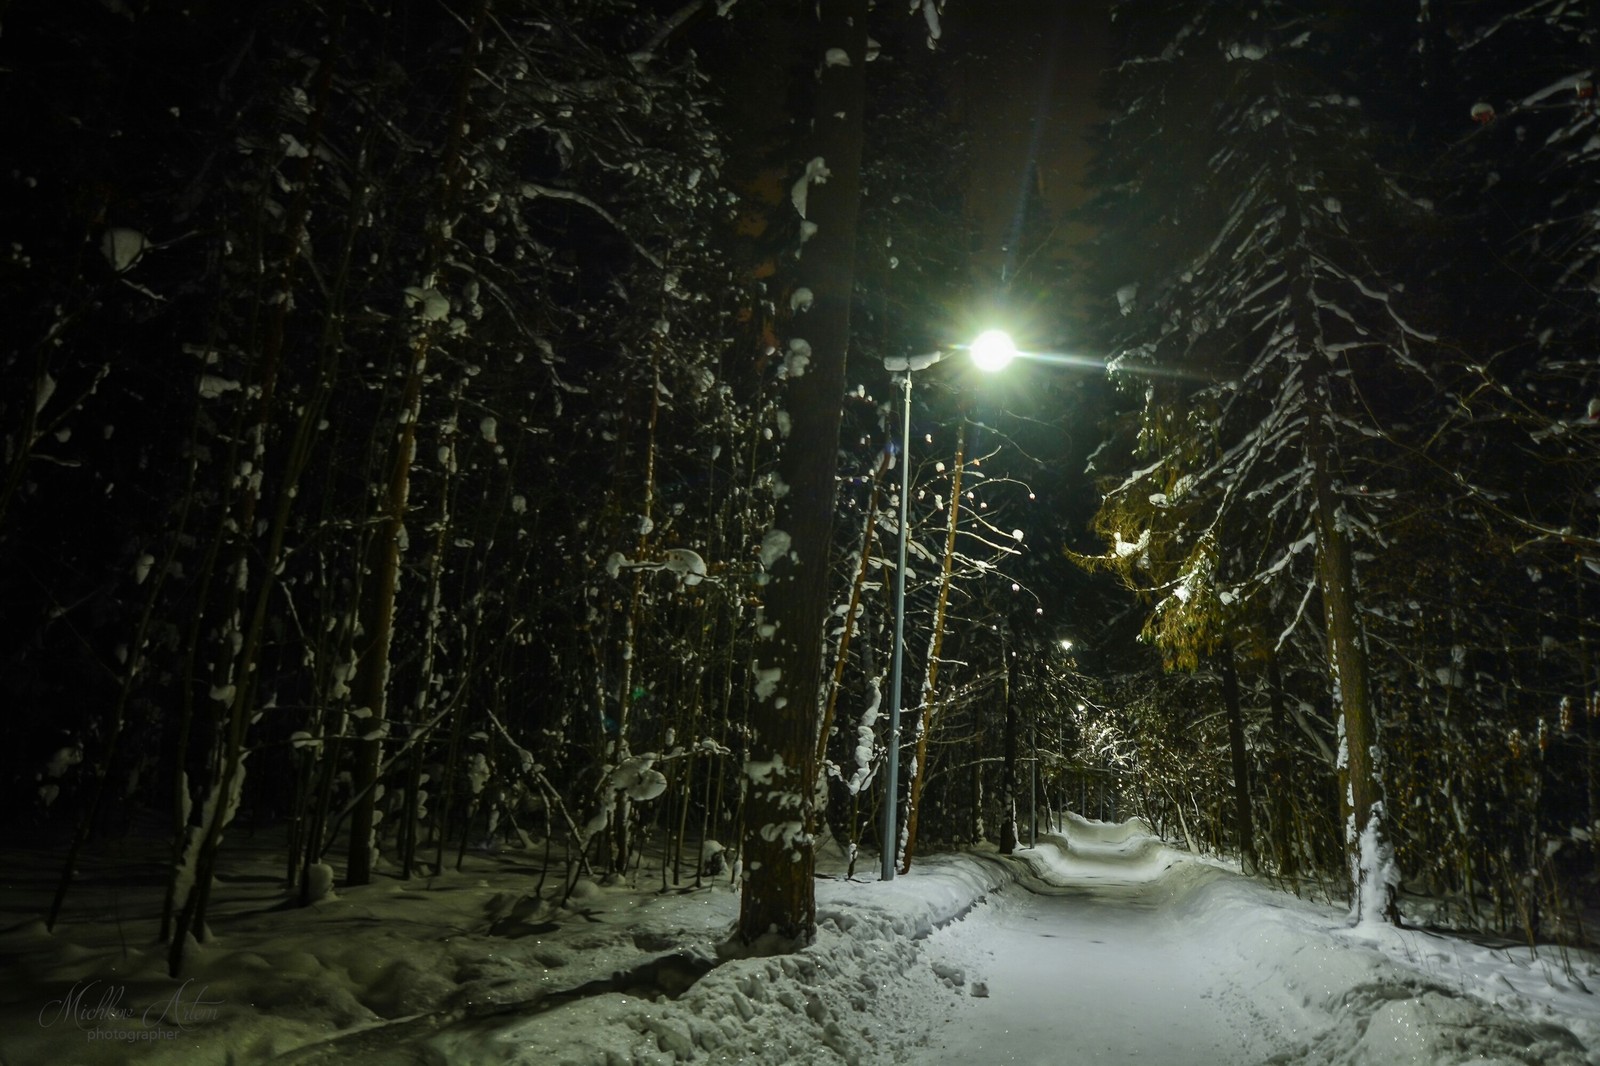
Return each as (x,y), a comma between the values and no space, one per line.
(1096,965)
(1123,950)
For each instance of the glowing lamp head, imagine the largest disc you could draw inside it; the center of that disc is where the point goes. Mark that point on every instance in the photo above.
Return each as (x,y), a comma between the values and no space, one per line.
(993,349)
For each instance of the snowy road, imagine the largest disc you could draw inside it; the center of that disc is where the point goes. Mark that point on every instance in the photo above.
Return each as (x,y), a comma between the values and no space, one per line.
(1118,949)
(1095,970)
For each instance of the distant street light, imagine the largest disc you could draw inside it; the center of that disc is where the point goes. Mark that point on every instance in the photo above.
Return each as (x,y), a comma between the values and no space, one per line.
(991,351)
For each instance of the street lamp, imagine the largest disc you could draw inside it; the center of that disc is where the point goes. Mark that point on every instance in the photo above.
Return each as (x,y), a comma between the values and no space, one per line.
(993,349)
(990,351)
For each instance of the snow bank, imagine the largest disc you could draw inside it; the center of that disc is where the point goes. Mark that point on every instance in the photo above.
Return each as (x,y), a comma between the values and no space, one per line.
(474,967)
(860,993)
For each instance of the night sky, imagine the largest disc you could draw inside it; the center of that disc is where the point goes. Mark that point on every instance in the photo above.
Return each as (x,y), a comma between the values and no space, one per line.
(1025,72)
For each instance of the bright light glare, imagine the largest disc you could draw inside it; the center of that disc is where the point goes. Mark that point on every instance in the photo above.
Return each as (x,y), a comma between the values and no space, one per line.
(993,350)
(1066,645)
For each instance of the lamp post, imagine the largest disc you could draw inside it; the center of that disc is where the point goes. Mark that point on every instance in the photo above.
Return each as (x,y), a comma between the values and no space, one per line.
(990,351)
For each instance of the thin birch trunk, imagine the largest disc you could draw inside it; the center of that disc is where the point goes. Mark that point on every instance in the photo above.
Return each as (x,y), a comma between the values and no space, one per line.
(927,711)
(380,604)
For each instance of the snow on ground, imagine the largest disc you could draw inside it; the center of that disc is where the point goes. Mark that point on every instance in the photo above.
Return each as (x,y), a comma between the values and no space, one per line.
(469,967)
(1100,944)
(1125,950)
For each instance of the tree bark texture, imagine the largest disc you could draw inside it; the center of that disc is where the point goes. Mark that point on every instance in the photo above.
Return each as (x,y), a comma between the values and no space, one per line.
(1360,790)
(778,897)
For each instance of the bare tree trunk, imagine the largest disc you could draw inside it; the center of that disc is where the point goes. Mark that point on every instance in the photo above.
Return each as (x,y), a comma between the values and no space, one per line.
(1243,824)
(1281,814)
(131,671)
(927,714)
(1360,789)
(427,690)
(195,854)
(778,896)
(842,652)
(1361,792)
(1008,774)
(372,684)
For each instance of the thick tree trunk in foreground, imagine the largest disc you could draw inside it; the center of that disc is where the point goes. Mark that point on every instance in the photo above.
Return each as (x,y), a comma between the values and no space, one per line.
(778,896)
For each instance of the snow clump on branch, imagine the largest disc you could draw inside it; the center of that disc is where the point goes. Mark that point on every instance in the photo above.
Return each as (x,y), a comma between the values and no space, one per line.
(816,173)
(774,545)
(636,776)
(685,562)
(797,359)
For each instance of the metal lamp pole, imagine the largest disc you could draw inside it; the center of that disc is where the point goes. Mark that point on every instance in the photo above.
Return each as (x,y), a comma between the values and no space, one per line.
(991,351)
(890,845)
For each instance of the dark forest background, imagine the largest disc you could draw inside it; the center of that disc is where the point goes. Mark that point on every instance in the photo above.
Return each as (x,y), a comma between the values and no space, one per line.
(392,397)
